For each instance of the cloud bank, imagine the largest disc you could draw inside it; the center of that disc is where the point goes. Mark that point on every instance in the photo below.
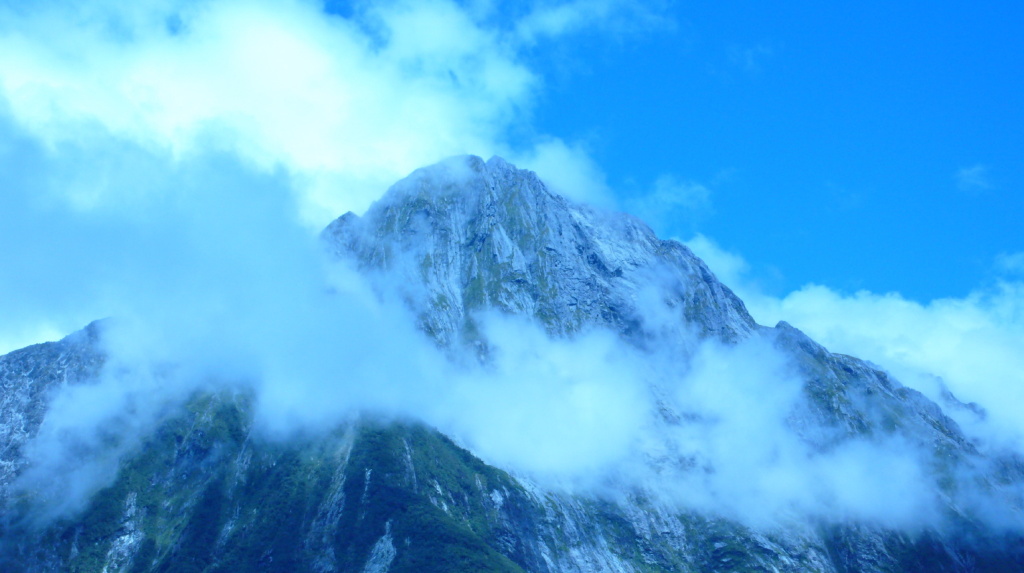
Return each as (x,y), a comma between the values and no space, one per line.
(707,430)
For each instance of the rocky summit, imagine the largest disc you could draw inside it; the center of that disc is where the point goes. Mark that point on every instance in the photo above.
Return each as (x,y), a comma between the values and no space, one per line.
(201,489)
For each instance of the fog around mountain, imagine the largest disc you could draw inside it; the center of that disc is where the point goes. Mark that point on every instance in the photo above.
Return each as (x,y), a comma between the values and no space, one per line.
(253,306)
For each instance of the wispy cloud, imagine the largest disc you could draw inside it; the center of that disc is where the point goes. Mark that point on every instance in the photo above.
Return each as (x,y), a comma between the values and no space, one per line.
(554,19)
(750,59)
(672,205)
(974,178)
(1011,264)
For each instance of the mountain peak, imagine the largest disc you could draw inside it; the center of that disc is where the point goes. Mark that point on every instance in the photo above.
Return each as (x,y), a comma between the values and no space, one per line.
(466,178)
(465,235)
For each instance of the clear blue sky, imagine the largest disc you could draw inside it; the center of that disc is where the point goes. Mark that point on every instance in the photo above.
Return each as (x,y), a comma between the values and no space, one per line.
(873,145)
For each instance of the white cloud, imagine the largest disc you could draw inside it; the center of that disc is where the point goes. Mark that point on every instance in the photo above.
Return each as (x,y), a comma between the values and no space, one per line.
(552,409)
(730,268)
(277,83)
(157,151)
(671,193)
(973,344)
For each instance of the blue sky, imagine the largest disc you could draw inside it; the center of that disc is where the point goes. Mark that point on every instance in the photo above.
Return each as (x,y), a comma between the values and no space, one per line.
(873,146)
(854,170)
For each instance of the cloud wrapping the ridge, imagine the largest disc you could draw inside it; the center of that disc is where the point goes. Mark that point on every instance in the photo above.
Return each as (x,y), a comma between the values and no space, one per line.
(971,345)
(585,415)
(211,285)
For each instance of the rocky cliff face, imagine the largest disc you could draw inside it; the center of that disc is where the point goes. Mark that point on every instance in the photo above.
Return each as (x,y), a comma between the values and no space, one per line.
(28,380)
(206,493)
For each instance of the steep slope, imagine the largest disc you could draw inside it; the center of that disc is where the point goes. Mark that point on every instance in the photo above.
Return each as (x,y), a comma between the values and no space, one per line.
(207,492)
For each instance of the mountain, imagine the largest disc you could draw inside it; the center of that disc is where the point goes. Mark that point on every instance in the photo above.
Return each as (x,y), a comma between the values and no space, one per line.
(202,489)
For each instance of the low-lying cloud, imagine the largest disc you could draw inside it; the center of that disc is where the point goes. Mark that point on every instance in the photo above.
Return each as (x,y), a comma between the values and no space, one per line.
(707,430)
